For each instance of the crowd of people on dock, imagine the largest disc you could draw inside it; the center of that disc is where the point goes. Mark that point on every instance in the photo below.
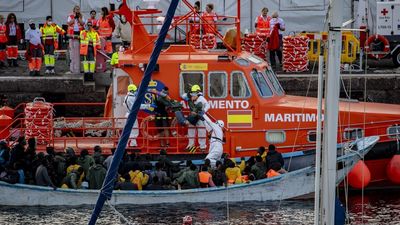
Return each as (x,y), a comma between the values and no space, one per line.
(86,37)
(69,169)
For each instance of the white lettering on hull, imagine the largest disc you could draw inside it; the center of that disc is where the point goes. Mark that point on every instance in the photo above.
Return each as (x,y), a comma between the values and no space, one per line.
(224,104)
(291,117)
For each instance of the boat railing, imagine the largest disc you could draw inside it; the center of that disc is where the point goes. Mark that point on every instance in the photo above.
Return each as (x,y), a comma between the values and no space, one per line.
(184,22)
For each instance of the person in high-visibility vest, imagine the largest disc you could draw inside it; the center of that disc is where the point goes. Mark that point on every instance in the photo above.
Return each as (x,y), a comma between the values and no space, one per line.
(75,24)
(14,35)
(34,50)
(262,23)
(3,42)
(114,57)
(49,35)
(93,18)
(211,18)
(90,42)
(105,27)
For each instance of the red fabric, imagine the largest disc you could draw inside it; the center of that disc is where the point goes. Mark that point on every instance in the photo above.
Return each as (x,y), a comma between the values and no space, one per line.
(3,36)
(18,31)
(209,17)
(274,38)
(3,55)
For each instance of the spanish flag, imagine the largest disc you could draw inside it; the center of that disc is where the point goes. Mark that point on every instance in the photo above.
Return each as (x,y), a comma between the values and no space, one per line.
(240,118)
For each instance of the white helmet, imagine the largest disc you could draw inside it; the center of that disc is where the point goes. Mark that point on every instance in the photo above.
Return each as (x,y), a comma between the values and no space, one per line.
(220,123)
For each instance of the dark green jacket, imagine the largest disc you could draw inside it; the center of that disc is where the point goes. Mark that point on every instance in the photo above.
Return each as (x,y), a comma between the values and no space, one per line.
(96,176)
(189,179)
(258,170)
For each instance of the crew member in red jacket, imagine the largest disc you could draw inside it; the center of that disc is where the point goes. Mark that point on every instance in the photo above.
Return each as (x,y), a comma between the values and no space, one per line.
(14,36)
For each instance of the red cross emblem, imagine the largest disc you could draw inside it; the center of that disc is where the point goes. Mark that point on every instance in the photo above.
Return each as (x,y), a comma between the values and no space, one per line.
(384,12)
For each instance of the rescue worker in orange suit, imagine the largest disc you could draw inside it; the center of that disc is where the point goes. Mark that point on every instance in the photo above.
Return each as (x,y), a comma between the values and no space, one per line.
(275,40)
(210,17)
(50,40)
(90,43)
(93,19)
(262,23)
(34,48)
(3,42)
(75,24)
(105,27)
(14,36)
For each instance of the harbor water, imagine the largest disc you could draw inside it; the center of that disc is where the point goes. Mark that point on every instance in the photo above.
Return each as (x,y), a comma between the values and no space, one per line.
(374,207)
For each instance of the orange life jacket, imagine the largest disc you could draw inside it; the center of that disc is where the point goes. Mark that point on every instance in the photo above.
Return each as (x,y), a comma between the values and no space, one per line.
(89,38)
(263,25)
(204,177)
(3,36)
(70,31)
(272,173)
(105,29)
(209,17)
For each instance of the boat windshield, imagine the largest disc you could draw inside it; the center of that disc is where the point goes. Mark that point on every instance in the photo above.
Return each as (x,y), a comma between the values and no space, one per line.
(275,82)
(261,83)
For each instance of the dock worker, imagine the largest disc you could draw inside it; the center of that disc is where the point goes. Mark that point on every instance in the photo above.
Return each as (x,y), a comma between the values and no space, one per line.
(105,26)
(75,23)
(211,18)
(129,100)
(198,107)
(93,18)
(3,42)
(275,42)
(34,48)
(114,58)
(195,19)
(216,139)
(49,34)
(262,22)
(14,36)
(90,43)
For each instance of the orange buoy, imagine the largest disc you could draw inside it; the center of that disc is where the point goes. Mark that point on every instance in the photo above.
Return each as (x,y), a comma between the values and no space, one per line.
(359,176)
(393,169)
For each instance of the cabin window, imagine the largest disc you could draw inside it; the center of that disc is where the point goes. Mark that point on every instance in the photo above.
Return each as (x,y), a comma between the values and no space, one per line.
(276,136)
(217,84)
(275,82)
(261,83)
(312,136)
(242,62)
(239,86)
(353,133)
(394,132)
(188,79)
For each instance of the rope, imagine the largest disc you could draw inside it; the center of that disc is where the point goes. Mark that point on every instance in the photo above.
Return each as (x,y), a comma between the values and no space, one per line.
(121,217)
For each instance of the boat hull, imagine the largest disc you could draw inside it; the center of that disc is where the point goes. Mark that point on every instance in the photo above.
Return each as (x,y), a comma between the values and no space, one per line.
(286,186)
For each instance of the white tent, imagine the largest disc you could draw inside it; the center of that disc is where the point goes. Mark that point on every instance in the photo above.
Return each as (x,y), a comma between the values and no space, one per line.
(299,15)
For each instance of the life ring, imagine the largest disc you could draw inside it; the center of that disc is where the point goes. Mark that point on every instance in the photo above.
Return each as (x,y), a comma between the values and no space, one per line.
(373,38)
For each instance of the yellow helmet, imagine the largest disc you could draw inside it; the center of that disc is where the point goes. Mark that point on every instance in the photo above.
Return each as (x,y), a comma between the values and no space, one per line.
(195,88)
(132,87)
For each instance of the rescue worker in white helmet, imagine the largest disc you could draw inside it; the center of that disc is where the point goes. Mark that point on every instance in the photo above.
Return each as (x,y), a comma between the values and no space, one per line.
(216,135)
(129,100)
(198,107)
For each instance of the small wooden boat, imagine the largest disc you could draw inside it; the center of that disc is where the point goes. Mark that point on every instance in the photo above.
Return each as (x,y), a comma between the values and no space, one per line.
(294,184)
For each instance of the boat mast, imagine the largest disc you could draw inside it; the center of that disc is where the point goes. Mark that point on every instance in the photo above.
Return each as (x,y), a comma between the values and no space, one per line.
(332,88)
(108,184)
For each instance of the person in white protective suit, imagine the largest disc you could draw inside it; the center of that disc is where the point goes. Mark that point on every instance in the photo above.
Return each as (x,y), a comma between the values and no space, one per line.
(198,107)
(129,100)
(216,139)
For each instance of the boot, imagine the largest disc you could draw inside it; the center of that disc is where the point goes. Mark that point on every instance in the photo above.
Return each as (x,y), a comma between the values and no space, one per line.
(9,62)
(86,77)
(31,73)
(91,77)
(37,73)
(14,62)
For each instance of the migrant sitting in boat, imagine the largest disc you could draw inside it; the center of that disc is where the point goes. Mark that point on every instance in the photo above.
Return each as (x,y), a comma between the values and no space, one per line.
(136,172)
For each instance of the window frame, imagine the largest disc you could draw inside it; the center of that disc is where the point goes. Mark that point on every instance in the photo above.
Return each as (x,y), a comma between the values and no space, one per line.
(258,88)
(231,85)
(275,131)
(396,135)
(181,84)
(271,78)
(209,83)
(351,129)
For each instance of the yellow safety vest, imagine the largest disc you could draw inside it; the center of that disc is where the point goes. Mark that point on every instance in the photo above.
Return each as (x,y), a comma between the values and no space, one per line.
(50,31)
(90,37)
